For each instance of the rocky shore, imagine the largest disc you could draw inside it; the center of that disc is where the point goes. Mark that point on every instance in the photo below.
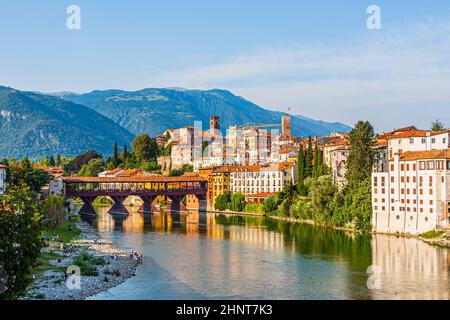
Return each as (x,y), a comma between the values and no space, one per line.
(51,285)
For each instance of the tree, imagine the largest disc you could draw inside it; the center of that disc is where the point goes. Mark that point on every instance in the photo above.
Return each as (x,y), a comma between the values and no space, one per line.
(362,155)
(322,192)
(75,164)
(317,164)
(115,155)
(438,126)
(144,148)
(322,168)
(58,160)
(24,173)
(269,204)
(55,208)
(92,169)
(125,154)
(309,159)
(301,172)
(237,202)
(20,238)
(51,161)
(222,201)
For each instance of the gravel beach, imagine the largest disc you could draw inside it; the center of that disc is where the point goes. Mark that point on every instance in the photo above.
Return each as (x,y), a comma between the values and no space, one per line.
(51,285)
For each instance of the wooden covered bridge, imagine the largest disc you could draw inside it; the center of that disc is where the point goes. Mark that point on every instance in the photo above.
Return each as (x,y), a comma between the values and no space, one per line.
(145,187)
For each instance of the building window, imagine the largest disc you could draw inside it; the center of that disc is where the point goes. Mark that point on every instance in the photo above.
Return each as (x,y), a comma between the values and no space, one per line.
(422,165)
(430,165)
(411,140)
(424,141)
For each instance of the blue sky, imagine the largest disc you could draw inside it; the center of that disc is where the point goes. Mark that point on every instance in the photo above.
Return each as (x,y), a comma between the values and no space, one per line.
(317,57)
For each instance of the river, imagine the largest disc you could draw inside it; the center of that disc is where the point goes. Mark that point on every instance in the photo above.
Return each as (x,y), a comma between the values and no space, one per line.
(207,256)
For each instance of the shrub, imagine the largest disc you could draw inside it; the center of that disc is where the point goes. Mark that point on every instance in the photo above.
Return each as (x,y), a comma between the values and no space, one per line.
(237,202)
(222,201)
(269,204)
(432,234)
(254,208)
(301,209)
(88,264)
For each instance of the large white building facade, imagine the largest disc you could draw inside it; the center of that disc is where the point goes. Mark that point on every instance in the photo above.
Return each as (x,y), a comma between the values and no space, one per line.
(413,196)
(263,179)
(411,192)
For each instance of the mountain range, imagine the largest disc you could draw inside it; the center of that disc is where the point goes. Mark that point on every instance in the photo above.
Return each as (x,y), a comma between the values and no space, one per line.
(38,124)
(154,110)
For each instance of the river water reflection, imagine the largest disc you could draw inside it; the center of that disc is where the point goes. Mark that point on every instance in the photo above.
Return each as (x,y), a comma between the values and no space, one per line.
(207,256)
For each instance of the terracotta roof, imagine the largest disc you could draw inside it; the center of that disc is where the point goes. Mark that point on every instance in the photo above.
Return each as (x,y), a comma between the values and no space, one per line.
(381,142)
(287,151)
(412,132)
(113,171)
(140,178)
(279,166)
(260,195)
(237,168)
(191,174)
(425,155)
(130,172)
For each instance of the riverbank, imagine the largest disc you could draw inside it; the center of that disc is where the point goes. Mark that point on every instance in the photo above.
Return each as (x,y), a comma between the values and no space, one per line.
(105,256)
(441,239)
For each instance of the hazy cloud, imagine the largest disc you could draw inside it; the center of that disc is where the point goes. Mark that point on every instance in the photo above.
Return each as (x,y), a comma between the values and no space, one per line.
(393,77)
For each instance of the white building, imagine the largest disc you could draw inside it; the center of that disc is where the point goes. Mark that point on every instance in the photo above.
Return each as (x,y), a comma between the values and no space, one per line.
(56,186)
(416,140)
(338,160)
(2,179)
(111,173)
(263,179)
(413,196)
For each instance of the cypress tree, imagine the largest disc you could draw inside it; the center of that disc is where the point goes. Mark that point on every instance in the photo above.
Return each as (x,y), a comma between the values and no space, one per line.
(321,168)
(58,160)
(115,155)
(51,161)
(301,172)
(316,163)
(362,155)
(125,153)
(309,159)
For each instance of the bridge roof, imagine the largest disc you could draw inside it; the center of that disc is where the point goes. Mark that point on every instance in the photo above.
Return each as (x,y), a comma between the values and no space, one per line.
(135,179)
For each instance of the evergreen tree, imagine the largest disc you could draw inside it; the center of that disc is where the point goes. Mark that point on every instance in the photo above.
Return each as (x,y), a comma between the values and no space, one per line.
(115,155)
(438,126)
(58,160)
(321,165)
(301,172)
(362,155)
(316,164)
(309,159)
(125,153)
(51,161)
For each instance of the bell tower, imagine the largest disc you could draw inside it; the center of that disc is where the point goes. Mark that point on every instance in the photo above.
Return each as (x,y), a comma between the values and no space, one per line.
(214,125)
